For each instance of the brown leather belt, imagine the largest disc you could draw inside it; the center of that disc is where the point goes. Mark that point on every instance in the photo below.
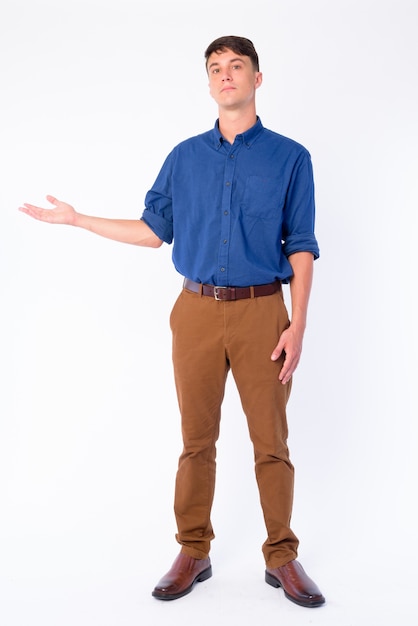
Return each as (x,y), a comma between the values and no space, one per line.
(232,293)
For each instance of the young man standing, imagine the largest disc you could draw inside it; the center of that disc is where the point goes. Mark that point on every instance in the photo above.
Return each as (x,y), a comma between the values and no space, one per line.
(237,202)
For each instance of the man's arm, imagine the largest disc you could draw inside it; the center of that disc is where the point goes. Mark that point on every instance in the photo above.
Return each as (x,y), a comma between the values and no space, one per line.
(135,232)
(291,339)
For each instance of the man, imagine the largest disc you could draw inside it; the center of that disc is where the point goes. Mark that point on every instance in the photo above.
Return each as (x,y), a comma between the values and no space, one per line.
(238,203)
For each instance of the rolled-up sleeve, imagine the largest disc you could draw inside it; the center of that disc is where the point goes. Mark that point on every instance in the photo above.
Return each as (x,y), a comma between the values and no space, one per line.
(162,227)
(305,242)
(299,212)
(158,212)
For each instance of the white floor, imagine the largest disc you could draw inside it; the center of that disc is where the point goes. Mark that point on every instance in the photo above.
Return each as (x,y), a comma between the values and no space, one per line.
(55,592)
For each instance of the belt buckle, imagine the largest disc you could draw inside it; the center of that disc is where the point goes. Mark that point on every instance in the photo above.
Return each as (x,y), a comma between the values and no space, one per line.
(216,293)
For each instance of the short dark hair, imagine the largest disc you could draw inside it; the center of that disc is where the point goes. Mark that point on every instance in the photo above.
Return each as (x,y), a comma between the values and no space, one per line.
(239,45)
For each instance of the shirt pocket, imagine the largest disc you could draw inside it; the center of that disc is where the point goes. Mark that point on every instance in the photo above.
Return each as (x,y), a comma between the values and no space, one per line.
(263,197)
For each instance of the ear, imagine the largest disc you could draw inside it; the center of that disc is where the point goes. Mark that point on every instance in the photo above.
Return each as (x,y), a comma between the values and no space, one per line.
(258,79)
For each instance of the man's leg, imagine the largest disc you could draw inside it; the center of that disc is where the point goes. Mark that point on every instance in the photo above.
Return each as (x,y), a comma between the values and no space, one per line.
(264,400)
(200,369)
(255,326)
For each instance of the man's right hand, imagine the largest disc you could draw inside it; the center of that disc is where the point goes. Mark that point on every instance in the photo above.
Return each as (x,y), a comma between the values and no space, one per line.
(63,213)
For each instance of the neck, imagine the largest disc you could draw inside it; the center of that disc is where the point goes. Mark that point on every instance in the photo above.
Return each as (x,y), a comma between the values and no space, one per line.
(234,123)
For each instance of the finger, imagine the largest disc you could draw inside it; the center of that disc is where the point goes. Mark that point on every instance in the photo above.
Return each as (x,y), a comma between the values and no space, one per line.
(30,209)
(284,373)
(52,200)
(289,366)
(45,215)
(285,367)
(277,352)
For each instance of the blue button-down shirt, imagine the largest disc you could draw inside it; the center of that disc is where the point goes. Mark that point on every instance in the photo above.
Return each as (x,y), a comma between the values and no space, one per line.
(235,212)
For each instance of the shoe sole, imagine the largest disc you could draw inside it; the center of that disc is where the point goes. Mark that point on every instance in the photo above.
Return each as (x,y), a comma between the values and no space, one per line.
(274,582)
(160,595)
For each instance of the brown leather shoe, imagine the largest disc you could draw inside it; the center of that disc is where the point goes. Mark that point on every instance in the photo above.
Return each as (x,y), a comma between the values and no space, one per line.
(297,585)
(182,577)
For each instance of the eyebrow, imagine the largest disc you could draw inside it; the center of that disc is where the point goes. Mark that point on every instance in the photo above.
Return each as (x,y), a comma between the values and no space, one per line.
(230,61)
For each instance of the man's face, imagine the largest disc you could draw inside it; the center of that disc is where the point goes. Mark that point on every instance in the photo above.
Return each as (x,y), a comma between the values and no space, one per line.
(232,79)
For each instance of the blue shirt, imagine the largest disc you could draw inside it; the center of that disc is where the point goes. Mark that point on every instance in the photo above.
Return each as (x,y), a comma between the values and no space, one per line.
(235,212)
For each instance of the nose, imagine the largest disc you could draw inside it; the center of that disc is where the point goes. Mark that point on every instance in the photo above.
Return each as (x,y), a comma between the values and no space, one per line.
(226,75)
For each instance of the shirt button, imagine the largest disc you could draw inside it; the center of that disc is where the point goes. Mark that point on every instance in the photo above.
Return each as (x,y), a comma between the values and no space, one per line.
(228,184)
(225,240)
(222,269)
(225,212)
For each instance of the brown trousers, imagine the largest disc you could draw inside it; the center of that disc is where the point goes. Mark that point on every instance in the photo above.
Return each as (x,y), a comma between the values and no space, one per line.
(209,339)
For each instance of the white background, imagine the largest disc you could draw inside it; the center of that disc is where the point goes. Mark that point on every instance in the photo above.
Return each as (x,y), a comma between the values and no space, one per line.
(94,94)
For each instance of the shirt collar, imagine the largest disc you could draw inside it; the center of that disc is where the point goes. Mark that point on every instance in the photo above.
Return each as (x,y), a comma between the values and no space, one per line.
(247,138)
